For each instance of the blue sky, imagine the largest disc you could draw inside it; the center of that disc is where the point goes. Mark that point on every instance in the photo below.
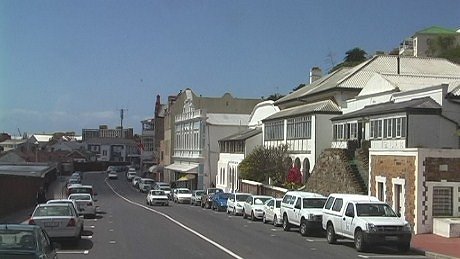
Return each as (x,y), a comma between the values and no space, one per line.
(68,65)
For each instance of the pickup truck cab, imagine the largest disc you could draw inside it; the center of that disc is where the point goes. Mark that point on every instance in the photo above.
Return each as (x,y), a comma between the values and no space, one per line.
(366,220)
(303,210)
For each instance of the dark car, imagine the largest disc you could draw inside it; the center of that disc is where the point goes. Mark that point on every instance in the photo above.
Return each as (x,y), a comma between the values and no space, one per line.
(206,199)
(25,241)
(219,201)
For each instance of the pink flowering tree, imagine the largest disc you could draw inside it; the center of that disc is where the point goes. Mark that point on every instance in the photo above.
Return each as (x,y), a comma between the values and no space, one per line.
(294,178)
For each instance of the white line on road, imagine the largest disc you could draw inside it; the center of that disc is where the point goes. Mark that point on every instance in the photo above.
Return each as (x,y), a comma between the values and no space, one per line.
(212,242)
(73,252)
(392,256)
(87,237)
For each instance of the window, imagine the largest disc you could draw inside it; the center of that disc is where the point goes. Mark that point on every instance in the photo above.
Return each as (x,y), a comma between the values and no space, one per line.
(442,201)
(380,192)
(298,203)
(329,202)
(337,205)
(299,128)
(350,212)
(274,130)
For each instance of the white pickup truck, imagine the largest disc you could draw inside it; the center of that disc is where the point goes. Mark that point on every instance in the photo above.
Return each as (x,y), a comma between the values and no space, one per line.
(303,210)
(366,220)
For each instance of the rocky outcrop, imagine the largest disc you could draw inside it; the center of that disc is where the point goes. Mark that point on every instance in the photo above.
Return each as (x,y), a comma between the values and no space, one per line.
(336,172)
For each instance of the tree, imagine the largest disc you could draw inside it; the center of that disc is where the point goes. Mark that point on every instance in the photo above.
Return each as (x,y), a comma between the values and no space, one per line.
(273,97)
(263,163)
(352,58)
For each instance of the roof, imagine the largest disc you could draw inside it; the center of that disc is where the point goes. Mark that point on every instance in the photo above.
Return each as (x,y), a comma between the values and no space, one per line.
(326,106)
(42,137)
(228,119)
(32,170)
(436,30)
(358,76)
(243,135)
(425,105)
(111,141)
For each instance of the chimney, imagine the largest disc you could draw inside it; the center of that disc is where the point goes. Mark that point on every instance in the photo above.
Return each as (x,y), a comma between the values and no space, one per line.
(315,74)
(157,106)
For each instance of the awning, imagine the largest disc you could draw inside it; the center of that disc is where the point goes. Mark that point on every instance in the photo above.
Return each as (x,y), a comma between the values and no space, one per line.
(152,168)
(182,167)
(186,177)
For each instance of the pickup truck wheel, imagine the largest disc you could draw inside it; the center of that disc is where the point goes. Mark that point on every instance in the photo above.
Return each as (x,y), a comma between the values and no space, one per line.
(253,218)
(244,214)
(286,226)
(404,247)
(303,227)
(330,234)
(275,221)
(234,212)
(360,244)
(264,219)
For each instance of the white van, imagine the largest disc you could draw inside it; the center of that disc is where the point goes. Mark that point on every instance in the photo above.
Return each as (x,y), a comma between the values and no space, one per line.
(303,210)
(366,220)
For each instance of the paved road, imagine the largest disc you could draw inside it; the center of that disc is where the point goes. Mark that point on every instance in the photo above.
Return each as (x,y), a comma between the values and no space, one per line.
(127,228)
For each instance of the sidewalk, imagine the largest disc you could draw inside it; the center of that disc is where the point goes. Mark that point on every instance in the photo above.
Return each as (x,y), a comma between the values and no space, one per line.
(436,246)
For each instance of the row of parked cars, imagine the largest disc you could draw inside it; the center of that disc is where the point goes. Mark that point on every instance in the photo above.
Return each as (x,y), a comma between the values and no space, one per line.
(362,218)
(51,220)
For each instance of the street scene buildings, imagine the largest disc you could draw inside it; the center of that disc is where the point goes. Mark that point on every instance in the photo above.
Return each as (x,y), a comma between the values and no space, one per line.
(388,127)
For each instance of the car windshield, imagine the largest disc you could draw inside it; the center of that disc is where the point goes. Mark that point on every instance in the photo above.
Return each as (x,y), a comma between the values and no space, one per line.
(184,191)
(158,192)
(241,197)
(17,240)
(80,197)
(45,211)
(224,195)
(314,203)
(80,190)
(374,210)
(261,200)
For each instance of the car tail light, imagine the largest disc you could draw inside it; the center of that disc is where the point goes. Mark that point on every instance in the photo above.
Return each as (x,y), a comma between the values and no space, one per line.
(71,223)
(31,222)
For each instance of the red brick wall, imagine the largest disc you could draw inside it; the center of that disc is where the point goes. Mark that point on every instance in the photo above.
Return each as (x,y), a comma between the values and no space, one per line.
(433,172)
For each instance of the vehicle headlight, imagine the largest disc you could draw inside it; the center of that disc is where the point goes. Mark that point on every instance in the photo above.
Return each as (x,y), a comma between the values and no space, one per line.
(407,227)
(371,227)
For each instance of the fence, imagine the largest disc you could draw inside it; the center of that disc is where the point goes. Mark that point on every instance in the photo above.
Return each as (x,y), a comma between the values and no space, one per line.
(261,189)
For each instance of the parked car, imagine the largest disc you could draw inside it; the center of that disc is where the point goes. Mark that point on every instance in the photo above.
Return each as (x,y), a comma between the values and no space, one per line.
(303,210)
(219,201)
(77,174)
(112,175)
(182,195)
(64,201)
(272,212)
(135,181)
(85,204)
(235,203)
(165,187)
(254,206)
(366,220)
(206,199)
(130,174)
(72,181)
(157,197)
(79,188)
(145,184)
(25,241)
(196,197)
(58,220)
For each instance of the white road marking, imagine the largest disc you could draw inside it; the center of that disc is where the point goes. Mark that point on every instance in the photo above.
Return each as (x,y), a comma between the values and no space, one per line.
(111,230)
(392,256)
(112,242)
(73,252)
(92,226)
(212,242)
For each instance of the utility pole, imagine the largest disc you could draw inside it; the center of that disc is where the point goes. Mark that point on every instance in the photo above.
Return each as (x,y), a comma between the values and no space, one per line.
(122,111)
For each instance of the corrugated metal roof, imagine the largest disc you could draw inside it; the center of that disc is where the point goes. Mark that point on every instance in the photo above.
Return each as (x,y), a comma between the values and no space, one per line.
(326,106)
(42,137)
(33,170)
(358,76)
(425,103)
(243,135)
(227,119)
